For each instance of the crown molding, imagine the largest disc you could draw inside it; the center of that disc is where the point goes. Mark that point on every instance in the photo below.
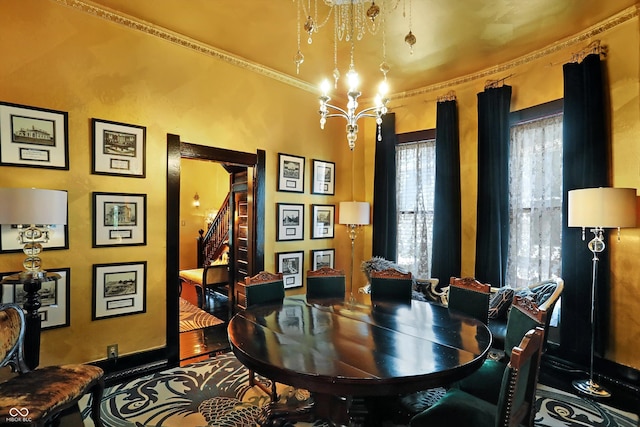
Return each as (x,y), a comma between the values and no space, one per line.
(582,37)
(136,24)
(235,60)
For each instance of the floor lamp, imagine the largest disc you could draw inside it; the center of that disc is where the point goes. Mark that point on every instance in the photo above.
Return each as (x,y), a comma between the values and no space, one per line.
(353,215)
(597,209)
(32,211)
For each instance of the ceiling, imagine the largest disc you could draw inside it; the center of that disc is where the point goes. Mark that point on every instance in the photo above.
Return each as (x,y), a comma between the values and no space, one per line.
(455,38)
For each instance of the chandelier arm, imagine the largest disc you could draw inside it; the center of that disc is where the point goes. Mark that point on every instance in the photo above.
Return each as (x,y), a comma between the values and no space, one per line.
(343,113)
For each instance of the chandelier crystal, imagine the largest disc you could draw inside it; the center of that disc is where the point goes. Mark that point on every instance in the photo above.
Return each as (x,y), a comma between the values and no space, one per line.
(352,20)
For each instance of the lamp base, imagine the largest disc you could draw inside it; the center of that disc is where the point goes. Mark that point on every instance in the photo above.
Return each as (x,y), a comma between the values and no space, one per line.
(590,388)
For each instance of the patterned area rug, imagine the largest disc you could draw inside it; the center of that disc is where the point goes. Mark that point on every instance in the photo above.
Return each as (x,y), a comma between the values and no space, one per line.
(215,393)
(192,317)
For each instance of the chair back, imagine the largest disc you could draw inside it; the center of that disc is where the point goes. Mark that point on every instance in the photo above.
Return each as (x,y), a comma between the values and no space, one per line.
(12,328)
(469,296)
(523,316)
(391,285)
(516,404)
(264,288)
(326,282)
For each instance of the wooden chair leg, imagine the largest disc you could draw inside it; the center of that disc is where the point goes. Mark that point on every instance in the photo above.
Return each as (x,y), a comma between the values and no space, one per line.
(271,392)
(96,401)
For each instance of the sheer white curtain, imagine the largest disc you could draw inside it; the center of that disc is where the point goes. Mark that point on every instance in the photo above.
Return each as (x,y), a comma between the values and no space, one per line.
(415,181)
(535,201)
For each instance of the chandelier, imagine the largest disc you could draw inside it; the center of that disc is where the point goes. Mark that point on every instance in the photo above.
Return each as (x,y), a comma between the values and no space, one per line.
(352,20)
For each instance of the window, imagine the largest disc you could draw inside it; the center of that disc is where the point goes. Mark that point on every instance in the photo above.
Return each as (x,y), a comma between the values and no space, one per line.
(415,186)
(535,197)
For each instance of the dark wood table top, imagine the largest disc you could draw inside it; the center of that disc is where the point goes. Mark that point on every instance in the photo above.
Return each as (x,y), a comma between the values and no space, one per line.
(337,348)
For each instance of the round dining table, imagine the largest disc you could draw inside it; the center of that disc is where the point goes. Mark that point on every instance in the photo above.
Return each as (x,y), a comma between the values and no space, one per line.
(340,348)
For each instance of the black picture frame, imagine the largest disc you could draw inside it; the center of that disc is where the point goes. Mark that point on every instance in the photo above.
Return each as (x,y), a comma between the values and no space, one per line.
(129,228)
(119,289)
(322,221)
(118,149)
(323,179)
(33,137)
(55,298)
(289,221)
(323,258)
(290,173)
(291,265)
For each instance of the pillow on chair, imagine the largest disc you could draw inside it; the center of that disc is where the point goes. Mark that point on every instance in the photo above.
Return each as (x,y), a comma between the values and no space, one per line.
(500,303)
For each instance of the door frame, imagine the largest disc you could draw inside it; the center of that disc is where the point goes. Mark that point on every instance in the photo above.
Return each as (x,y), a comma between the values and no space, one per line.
(177,150)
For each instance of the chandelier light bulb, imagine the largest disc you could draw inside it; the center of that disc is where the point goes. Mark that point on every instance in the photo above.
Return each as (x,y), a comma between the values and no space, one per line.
(383,89)
(353,80)
(324,87)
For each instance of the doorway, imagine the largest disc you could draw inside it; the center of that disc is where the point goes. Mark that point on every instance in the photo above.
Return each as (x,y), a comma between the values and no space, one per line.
(249,165)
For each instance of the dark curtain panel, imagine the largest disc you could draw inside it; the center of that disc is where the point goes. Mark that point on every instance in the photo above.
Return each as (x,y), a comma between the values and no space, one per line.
(384,191)
(585,164)
(447,234)
(492,235)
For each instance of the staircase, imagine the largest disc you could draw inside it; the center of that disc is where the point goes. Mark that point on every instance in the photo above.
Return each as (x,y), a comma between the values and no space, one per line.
(213,243)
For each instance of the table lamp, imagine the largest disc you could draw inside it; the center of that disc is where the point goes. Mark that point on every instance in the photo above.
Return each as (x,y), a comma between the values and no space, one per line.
(353,215)
(597,209)
(33,211)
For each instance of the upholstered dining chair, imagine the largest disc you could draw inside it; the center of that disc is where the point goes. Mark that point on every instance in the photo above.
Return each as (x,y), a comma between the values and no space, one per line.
(325,282)
(485,383)
(469,296)
(516,405)
(391,285)
(546,293)
(42,394)
(264,288)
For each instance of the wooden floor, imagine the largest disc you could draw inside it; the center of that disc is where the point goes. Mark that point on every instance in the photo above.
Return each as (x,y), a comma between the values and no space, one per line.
(201,344)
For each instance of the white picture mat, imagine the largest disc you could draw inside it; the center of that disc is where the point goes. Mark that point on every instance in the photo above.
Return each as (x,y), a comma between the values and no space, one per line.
(9,238)
(52,315)
(121,234)
(10,151)
(118,305)
(103,162)
(291,265)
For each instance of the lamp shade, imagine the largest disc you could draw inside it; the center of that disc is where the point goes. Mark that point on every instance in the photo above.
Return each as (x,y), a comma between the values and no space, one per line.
(33,206)
(602,207)
(356,213)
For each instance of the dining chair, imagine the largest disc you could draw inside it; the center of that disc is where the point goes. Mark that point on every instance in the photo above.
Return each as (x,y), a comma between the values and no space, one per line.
(515,406)
(264,288)
(391,285)
(485,383)
(40,395)
(326,282)
(469,296)
(546,293)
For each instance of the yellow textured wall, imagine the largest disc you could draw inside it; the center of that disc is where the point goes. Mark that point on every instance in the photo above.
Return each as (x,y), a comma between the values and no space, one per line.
(211,182)
(535,82)
(60,58)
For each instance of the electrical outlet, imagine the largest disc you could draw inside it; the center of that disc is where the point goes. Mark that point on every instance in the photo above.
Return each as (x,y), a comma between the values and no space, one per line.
(112,351)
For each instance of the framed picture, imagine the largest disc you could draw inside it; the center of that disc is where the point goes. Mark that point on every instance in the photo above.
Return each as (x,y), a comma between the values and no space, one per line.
(54,297)
(119,219)
(33,137)
(290,264)
(323,177)
(323,258)
(290,221)
(290,173)
(118,148)
(322,221)
(58,238)
(119,289)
